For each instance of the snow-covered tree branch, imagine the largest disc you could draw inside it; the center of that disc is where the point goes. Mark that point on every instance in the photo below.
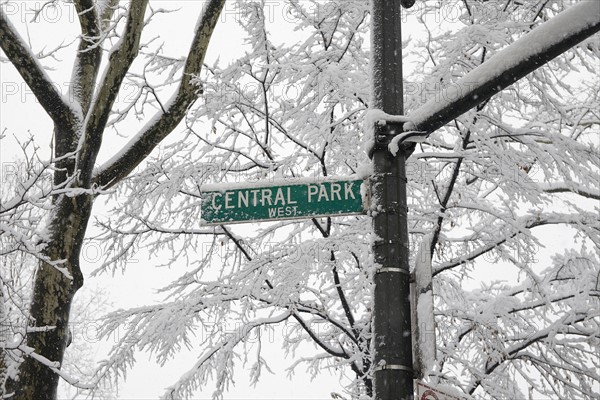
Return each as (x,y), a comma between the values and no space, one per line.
(34,75)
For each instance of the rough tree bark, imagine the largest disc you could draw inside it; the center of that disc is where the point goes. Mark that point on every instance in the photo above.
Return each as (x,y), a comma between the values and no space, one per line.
(78,131)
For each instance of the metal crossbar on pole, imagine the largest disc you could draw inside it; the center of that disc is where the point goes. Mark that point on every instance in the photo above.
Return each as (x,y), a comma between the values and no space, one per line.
(392,315)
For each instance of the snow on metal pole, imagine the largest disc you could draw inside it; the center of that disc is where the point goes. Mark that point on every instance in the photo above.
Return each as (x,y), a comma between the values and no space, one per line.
(423,319)
(392,314)
(542,44)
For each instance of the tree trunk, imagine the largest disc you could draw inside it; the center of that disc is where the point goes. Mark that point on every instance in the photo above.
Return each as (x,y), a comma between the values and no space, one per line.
(53,294)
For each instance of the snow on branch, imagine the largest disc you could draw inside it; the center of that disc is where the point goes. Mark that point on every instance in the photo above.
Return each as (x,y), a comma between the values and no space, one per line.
(567,187)
(522,224)
(163,123)
(218,360)
(34,75)
(120,60)
(87,62)
(53,365)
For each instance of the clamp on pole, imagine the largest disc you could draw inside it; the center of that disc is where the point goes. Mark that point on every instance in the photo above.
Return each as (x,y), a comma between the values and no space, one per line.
(385,133)
(392,269)
(393,367)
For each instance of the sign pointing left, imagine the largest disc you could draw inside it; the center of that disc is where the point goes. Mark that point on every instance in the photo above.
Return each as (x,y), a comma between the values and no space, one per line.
(226,205)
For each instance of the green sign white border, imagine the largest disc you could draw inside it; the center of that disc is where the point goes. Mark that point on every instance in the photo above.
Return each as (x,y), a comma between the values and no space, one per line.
(364,192)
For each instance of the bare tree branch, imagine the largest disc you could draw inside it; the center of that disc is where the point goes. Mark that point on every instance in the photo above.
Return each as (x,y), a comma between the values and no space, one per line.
(514,350)
(529,222)
(155,131)
(119,62)
(569,188)
(87,62)
(33,74)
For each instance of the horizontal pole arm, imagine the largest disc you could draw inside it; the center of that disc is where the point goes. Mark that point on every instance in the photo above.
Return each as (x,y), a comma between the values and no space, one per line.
(512,63)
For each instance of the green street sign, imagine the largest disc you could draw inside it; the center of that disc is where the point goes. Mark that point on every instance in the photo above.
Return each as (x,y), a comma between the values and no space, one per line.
(226,204)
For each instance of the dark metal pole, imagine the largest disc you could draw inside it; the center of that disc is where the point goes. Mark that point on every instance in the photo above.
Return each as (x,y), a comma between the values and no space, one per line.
(391,310)
(392,316)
